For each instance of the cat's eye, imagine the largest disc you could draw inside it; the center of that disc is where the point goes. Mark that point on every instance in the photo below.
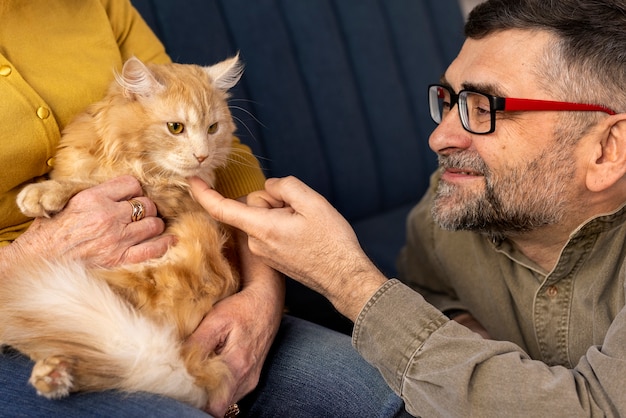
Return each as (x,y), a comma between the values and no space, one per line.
(175,127)
(213,128)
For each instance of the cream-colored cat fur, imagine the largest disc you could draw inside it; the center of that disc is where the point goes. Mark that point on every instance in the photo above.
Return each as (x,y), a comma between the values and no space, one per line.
(94,328)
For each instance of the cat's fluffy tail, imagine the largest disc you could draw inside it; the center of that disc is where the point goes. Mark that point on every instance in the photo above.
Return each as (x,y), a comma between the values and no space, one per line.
(60,312)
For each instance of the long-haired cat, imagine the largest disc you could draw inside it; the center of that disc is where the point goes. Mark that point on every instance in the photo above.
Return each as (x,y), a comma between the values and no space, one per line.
(90,329)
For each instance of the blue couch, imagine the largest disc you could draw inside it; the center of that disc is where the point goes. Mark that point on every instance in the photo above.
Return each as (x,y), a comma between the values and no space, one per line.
(334,92)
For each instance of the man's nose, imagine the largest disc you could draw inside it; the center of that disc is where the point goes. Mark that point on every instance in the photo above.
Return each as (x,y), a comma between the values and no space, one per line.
(450,136)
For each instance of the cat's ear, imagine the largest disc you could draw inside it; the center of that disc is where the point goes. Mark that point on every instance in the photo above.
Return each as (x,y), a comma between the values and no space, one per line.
(225,74)
(137,80)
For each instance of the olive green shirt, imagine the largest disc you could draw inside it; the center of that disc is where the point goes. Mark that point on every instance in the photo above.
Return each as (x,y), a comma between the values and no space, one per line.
(559,337)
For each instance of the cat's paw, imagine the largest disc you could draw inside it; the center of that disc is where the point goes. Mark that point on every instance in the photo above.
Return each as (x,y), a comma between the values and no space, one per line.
(42,199)
(52,377)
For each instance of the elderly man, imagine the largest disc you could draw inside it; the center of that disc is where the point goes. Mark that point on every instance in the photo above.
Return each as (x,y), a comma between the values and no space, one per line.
(520,237)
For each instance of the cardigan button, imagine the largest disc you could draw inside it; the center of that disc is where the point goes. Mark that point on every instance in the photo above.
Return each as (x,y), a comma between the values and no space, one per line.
(5,70)
(43,112)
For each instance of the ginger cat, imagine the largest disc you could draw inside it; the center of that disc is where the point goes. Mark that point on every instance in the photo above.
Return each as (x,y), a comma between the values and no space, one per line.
(91,329)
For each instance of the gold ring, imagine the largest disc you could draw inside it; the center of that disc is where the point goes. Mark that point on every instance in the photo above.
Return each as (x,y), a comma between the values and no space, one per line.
(232,411)
(139,211)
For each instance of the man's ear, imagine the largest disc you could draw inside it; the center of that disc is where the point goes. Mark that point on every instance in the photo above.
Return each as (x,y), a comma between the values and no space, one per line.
(607,163)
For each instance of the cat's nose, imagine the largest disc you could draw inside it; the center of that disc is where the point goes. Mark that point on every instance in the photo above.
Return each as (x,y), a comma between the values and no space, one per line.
(200,158)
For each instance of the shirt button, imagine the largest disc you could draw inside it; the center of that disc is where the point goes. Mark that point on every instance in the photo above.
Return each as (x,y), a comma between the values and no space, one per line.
(552,291)
(5,70)
(43,112)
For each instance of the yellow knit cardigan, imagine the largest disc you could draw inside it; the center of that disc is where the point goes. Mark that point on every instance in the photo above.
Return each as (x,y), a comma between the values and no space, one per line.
(57,57)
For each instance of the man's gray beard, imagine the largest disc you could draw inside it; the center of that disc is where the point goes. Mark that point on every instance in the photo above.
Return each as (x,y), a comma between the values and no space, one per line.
(515,203)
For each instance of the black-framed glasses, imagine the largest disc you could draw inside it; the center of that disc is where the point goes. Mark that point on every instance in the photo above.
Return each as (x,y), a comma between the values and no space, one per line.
(477,111)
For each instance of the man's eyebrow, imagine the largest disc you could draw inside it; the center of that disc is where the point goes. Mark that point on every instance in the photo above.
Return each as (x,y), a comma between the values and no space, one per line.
(485,88)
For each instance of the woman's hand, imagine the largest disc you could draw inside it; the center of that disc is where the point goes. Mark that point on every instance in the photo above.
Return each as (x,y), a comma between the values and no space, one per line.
(96,227)
(241,328)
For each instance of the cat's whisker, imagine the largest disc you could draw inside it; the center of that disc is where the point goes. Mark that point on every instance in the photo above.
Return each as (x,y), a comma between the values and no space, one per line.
(240,99)
(242,122)
(239,162)
(231,100)
(258,157)
(246,111)
(245,126)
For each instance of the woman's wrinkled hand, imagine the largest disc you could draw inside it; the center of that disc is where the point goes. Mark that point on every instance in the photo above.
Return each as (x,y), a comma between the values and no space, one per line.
(242,327)
(96,227)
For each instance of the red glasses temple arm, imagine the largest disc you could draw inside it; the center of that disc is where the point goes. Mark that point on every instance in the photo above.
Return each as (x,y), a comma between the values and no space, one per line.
(513,105)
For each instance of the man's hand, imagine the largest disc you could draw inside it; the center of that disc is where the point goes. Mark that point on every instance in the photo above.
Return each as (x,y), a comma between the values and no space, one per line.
(296,231)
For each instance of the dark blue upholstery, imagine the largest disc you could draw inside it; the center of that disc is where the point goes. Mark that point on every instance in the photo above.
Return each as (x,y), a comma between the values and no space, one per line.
(334,93)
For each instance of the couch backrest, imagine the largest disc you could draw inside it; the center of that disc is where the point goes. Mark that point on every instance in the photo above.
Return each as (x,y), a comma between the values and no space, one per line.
(334,92)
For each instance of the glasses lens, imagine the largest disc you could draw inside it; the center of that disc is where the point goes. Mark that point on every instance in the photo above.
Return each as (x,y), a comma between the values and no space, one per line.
(439,102)
(475,110)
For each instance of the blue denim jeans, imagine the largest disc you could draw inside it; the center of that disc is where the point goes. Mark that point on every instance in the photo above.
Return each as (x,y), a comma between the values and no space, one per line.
(310,372)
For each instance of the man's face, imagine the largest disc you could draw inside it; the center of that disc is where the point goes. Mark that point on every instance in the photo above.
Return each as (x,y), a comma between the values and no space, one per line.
(519,177)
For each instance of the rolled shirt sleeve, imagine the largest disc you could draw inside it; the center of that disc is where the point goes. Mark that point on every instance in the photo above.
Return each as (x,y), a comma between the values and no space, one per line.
(442,369)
